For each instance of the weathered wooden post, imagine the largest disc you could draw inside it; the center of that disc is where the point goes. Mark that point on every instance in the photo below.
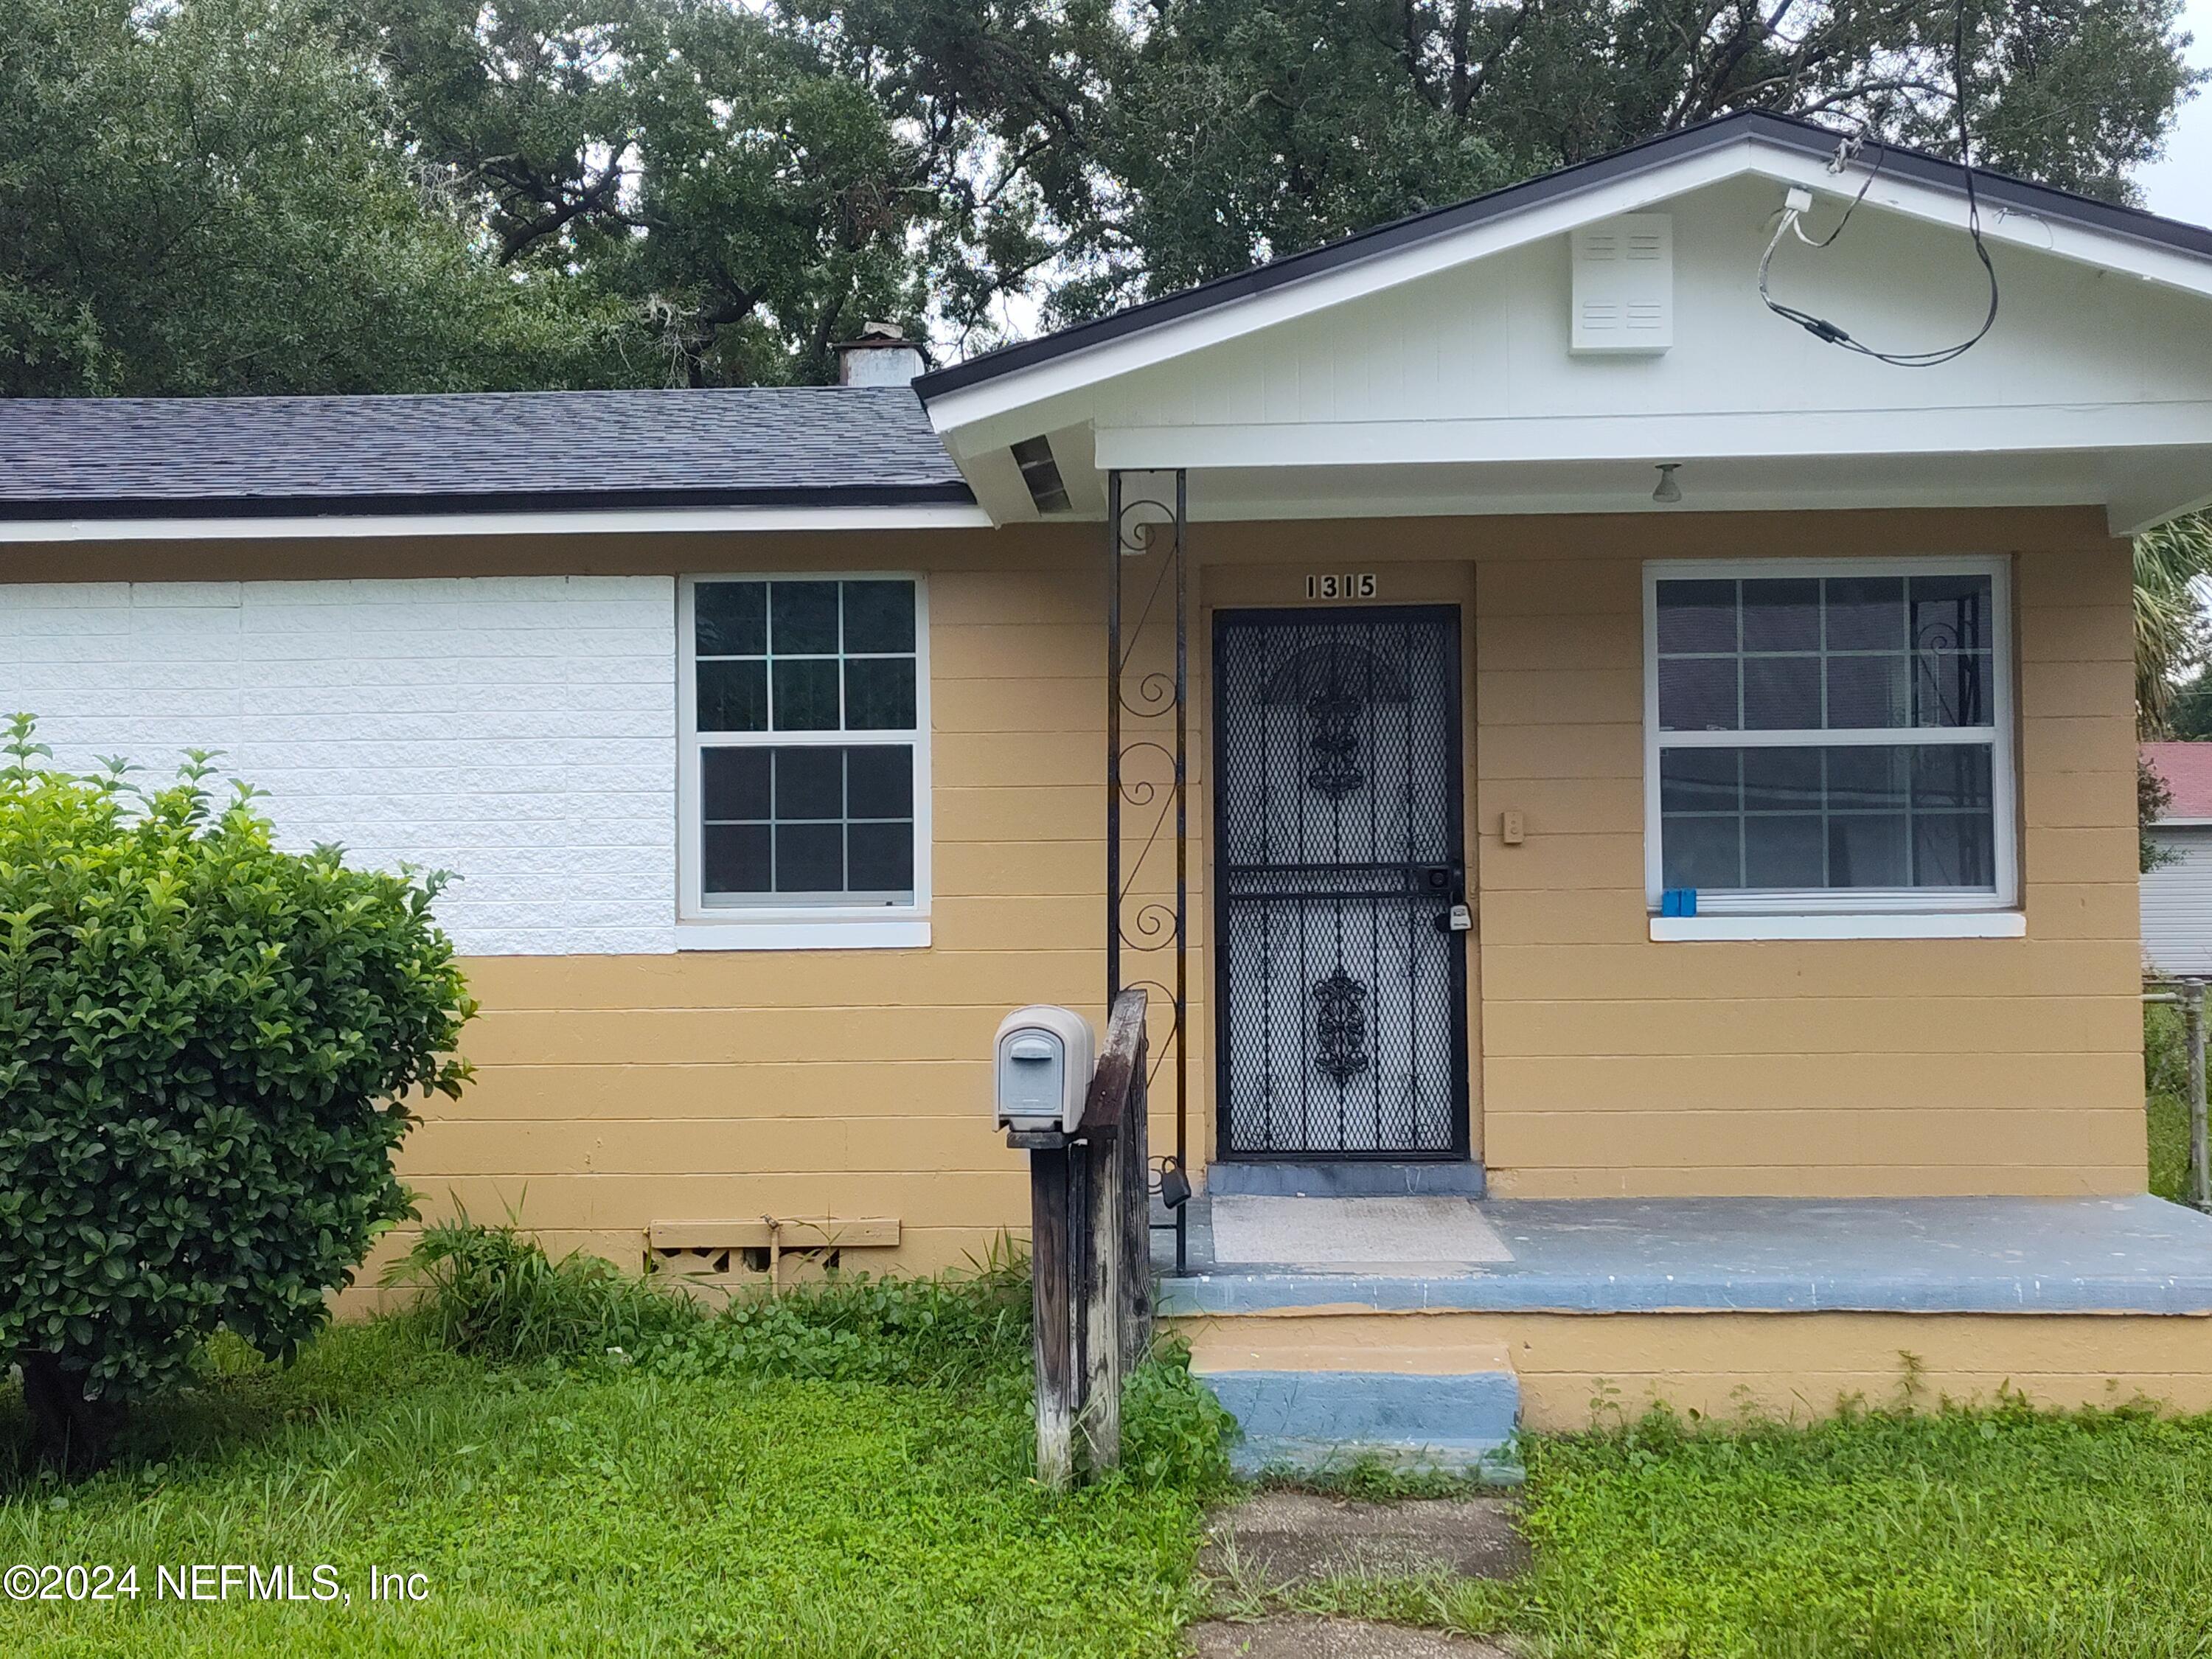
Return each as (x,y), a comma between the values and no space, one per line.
(1089,1256)
(1052,1311)
(1115,1285)
(1134,1208)
(2200,1138)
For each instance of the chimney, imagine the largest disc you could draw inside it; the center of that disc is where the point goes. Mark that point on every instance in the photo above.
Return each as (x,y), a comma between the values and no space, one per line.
(882,356)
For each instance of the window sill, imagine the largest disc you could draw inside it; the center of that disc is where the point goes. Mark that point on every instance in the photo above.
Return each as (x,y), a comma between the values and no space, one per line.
(844,933)
(1954,924)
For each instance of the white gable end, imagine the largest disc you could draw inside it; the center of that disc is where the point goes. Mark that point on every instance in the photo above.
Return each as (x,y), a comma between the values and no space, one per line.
(1472,385)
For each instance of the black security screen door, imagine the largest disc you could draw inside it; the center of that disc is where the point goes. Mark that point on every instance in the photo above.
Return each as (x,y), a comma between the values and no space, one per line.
(1339,860)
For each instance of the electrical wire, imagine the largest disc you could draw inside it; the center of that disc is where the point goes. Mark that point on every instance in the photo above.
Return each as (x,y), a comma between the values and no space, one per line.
(1819,327)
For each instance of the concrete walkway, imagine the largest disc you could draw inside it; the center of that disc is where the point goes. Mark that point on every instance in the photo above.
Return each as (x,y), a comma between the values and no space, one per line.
(1275,1541)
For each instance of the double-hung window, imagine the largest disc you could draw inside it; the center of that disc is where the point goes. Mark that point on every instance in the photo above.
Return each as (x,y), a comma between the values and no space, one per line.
(1828,741)
(803,779)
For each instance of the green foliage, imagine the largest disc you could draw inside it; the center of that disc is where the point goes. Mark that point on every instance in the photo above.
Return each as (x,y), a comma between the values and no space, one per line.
(1948,1534)
(2188,717)
(1954,1532)
(601,1510)
(283,195)
(494,1294)
(205,198)
(1174,1432)
(2153,798)
(2171,564)
(204,1047)
(954,1329)
(700,165)
(1223,130)
(2166,1091)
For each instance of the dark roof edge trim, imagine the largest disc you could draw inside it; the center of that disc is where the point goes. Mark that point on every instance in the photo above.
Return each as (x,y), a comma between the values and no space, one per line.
(395,504)
(2045,201)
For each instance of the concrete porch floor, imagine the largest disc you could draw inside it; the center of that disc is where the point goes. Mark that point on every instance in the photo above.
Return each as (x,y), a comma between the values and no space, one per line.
(1950,1255)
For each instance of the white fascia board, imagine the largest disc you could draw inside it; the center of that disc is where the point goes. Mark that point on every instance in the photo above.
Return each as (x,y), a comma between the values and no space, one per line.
(1771,434)
(1018,391)
(2002,222)
(928,515)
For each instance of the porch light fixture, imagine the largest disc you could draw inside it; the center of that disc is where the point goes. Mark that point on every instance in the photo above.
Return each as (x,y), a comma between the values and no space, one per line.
(1668,491)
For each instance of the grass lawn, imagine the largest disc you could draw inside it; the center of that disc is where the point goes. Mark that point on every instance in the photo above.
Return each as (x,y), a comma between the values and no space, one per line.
(610,1512)
(1997,1537)
(555,1512)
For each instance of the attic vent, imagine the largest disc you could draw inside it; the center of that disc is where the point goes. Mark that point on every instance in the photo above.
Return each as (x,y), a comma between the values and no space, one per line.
(1624,284)
(1042,474)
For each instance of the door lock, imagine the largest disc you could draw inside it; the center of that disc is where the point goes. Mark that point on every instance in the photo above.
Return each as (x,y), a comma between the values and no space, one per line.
(1457,920)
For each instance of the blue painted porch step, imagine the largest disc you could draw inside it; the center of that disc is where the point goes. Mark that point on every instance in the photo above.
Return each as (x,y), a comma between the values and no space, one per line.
(1317,1420)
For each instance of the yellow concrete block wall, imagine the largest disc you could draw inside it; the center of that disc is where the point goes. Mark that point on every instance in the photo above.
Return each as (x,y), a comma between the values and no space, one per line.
(616,1092)
(1616,1065)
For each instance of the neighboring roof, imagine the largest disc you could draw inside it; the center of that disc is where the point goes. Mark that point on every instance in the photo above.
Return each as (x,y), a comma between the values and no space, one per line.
(2187,769)
(1996,189)
(79,458)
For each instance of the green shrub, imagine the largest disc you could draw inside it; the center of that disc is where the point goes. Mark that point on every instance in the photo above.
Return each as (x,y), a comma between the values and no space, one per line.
(493,1293)
(1175,1434)
(947,1330)
(204,1046)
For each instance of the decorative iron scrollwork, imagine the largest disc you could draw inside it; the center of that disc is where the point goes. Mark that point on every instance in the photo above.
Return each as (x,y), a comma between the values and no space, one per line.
(1340,1028)
(1333,735)
(1147,673)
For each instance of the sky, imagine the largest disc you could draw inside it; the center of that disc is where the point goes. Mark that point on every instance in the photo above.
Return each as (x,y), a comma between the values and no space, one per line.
(2180,186)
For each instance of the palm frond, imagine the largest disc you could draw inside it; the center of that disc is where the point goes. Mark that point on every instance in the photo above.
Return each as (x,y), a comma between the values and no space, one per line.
(2172,637)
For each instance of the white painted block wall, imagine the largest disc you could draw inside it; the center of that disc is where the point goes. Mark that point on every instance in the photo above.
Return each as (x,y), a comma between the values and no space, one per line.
(519,731)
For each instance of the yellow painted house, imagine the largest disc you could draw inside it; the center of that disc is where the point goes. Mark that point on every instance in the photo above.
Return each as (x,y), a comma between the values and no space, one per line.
(1623,798)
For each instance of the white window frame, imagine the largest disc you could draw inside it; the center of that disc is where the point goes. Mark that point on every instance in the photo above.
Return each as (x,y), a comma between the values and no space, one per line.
(1862,912)
(793,927)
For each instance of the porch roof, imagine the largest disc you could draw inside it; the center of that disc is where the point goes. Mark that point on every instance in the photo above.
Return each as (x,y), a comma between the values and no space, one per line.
(1929,1256)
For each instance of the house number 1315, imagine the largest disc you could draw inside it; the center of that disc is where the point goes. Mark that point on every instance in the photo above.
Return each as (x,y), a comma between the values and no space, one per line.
(1351,585)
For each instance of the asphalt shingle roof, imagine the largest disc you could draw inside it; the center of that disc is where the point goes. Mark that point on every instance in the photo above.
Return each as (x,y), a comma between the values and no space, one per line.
(541,451)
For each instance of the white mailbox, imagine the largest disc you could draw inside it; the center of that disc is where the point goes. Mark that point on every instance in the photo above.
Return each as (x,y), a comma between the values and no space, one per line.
(1045,1059)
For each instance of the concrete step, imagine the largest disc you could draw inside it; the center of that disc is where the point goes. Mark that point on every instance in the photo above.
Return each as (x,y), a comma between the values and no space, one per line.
(1338,1408)
(1347,1178)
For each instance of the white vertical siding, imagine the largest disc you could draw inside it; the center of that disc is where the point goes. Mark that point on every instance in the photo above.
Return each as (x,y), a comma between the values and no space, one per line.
(519,731)
(2177,904)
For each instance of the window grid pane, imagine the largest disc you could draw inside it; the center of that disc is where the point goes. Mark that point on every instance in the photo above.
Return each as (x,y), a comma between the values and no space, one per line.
(807,823)
(1903,815)
(810,822)
(1792,658)
(1824,653)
